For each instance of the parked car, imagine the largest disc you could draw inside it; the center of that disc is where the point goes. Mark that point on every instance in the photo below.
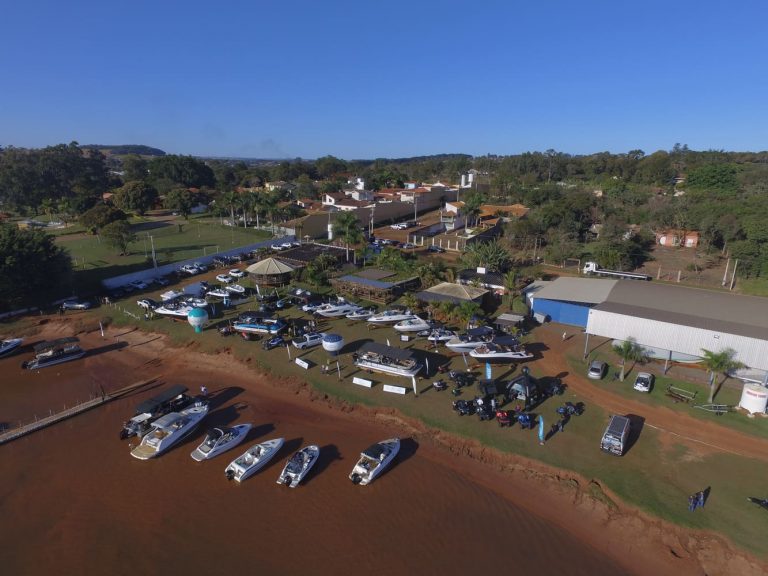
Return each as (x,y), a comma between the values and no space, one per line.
(189,269)
(436,249)
(147,303)
(644,382)
(224,278)
(161,281)
(221,261)
(236,273)
(308,340)
(597,370)
(76,305)
(408,246)
(200,266)
(140,284)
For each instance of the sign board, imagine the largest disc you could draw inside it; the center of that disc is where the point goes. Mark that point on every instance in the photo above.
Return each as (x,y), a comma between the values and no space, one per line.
(394,389)
(362,382)
(303,363)
(405,338)
(488,371)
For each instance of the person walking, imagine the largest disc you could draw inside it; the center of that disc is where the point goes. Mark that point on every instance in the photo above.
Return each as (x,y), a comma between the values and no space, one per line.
(204,391)
(565,336)
(700,499)
(692,503)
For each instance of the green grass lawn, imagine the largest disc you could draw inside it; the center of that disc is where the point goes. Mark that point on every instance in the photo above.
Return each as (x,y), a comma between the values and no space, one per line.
(657,396)
(94,260)
(653,475)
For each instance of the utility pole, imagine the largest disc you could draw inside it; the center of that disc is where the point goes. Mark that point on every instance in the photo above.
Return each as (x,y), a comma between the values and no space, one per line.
(154,260)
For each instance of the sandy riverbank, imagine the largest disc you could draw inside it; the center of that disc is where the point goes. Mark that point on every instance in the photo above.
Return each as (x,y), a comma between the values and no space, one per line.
(489,501)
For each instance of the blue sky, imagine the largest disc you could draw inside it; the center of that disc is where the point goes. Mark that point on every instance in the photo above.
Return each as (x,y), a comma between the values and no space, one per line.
(385,79)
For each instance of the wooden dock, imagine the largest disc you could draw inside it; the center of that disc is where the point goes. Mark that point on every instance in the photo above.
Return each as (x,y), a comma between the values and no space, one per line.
(20,431)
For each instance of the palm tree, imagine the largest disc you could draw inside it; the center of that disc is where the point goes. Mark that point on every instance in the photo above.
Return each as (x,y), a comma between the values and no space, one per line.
(510,283)
(256,204)
(719,362)
(230,199)
(347,227)
(629,350)
(465,311)
(472,203)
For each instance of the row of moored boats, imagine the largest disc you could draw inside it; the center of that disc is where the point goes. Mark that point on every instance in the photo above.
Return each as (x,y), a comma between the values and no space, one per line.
(163,421)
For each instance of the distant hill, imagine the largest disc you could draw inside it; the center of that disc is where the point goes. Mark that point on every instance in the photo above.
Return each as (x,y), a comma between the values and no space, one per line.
(122,149)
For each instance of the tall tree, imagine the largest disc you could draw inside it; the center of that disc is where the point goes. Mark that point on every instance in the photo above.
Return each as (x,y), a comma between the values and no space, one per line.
(719,363)
(119,235)
(32,267)
(135,196)
(628,351)
(180,199)
(346,227)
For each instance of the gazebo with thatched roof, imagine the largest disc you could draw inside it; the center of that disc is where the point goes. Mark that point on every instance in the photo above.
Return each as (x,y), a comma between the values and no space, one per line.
(270,272)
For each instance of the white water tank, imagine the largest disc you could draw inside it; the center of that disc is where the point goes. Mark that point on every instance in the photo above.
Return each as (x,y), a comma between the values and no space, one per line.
(754,398)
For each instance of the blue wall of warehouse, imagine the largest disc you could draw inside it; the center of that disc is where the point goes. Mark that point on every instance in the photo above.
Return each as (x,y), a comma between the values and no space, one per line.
(572,313)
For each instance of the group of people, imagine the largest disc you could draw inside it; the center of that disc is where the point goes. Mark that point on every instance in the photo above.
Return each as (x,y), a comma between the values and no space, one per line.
(696,500)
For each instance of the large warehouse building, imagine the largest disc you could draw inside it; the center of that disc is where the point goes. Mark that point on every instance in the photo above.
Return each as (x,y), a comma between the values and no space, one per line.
(675,319)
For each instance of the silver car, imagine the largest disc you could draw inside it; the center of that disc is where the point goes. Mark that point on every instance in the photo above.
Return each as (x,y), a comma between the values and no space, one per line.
(643,382)
(597,370)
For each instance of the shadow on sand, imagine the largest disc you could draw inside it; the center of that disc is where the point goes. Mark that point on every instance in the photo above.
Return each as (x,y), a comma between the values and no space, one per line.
(107,348)
(223,395)
(328,454)
(636,427)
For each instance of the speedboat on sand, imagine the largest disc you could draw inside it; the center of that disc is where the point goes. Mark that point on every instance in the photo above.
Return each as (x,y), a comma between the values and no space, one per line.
(168,430)
(471,339)
(219,440)
(219,292)
(253,460)
(493,351)
(174,310)
(251,323)
(361,314)
(235,288)
(374,460)
(413,325)
(298,466)
(439,335)
(8,346)
(392,316)
(340,308)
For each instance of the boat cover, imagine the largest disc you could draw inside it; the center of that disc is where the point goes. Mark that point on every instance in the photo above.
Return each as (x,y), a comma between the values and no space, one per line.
(384,350)
(43,346)
(151,405)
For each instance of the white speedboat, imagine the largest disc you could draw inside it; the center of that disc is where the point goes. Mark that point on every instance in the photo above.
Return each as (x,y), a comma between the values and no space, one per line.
(339,308)
(220,439)
(493,351)
(174,310)
(392,316)
(440,335)
(171,295)
(235,288)
(377,357)
(471,339)
(171,399)
(298,466)
(55,352)
(374,460)
(413,325)
(219,292)
(8,346)
(168,430)
(195,302)
(253,459)
(361,314)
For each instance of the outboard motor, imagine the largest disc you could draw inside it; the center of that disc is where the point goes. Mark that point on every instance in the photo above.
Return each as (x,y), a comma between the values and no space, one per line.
(230,474)
(439,385)
(356,478)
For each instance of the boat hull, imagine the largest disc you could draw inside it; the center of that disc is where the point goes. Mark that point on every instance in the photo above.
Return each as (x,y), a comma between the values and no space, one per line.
(385,369)
(293,479)
(9,346)
(245,465)
(146,450)
(37,364)
(241,432)
(362,476)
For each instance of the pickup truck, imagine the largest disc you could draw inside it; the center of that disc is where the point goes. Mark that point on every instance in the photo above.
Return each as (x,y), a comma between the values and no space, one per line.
(308,340)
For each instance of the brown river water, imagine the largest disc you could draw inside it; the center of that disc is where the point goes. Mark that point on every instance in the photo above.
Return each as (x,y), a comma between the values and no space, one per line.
(73,501)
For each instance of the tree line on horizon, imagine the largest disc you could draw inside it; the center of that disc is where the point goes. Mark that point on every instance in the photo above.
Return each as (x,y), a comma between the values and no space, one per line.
(720,194)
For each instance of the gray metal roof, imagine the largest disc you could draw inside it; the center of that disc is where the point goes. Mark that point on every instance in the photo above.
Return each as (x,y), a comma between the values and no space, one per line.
(695,307)
(366,281)
(586,290)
